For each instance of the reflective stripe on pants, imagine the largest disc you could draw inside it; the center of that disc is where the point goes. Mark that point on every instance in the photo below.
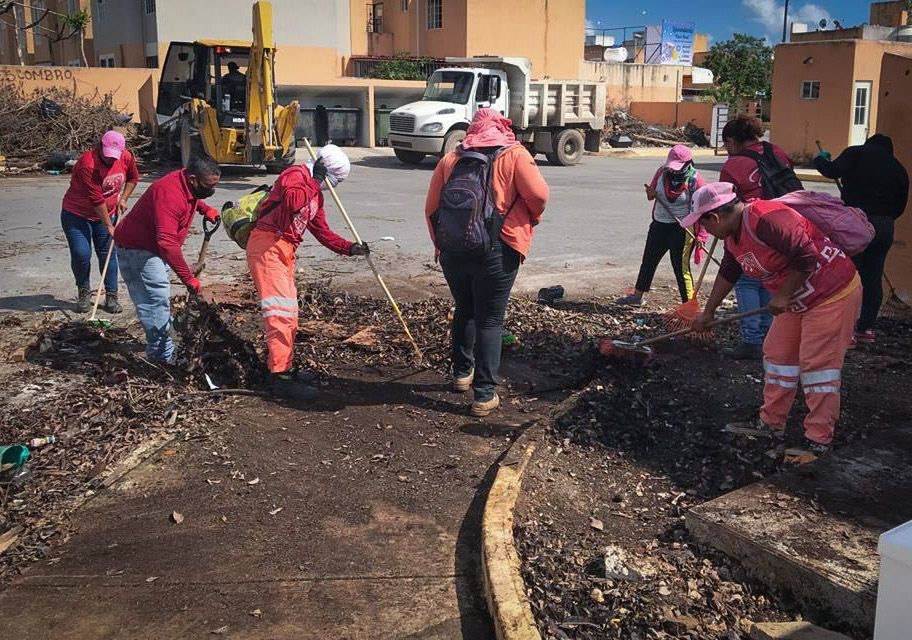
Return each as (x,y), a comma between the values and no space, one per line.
(808,348)
(272,262)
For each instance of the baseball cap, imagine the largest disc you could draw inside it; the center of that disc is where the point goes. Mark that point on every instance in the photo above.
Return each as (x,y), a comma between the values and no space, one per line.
(113,144)
(678,157)
(708,198)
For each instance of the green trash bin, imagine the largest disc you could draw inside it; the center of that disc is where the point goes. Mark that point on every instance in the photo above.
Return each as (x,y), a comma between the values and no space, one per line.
(382,126)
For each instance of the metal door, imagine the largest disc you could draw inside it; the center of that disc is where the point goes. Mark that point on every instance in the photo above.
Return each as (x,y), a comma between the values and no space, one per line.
(861,112)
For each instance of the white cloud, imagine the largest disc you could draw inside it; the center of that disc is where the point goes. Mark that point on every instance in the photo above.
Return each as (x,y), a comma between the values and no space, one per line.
(770,13)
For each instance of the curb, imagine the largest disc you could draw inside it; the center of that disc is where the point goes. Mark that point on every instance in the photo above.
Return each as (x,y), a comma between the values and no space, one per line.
(504,588)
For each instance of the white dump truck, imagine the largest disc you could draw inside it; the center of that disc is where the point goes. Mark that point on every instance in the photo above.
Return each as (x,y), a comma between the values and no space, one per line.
(559,118)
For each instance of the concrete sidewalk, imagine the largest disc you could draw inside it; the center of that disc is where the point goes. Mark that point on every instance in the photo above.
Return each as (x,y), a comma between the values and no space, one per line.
(356,518)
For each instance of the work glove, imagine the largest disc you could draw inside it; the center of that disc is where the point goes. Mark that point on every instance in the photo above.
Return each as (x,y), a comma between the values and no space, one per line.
(359,249)
(319,171)
(825,155)
(212,215)
(193,286)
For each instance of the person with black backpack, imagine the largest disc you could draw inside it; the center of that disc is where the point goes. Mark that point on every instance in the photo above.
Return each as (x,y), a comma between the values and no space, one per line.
(482,204)
(759,171)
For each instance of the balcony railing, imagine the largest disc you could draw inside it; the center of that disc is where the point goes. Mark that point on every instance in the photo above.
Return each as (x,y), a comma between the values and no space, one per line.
(393,67)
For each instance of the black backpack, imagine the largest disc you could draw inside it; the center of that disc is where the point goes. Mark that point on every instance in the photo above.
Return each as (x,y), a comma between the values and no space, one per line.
(776,179)
(466,219)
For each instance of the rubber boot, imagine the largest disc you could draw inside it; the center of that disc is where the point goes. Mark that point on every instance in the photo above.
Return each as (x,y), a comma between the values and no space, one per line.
(286,385)
(111,304)
(84,300)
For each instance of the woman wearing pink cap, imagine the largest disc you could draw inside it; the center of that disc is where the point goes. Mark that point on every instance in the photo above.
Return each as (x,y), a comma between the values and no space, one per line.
(816,296)
(671,189)
(100,185)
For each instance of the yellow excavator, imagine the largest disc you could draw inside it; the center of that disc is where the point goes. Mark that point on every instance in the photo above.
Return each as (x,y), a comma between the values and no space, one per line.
(219,97)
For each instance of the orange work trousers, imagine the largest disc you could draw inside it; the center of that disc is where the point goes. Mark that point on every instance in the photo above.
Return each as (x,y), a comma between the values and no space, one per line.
(809,348)
(272,266)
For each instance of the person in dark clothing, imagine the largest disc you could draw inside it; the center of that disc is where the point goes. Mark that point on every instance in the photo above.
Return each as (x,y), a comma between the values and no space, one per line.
(872,179)
(234,84)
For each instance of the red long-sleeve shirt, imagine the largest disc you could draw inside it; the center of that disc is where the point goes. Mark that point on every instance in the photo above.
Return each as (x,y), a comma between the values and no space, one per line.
(160,221)
(94,183)
(295,205)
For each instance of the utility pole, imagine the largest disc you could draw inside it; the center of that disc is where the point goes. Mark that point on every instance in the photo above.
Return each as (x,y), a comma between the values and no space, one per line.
(785,21)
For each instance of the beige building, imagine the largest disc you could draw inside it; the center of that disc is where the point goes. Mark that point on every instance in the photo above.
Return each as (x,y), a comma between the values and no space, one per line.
(826,83)
(36,29)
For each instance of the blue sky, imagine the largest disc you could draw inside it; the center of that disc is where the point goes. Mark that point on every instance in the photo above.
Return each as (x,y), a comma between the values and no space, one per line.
(721,19)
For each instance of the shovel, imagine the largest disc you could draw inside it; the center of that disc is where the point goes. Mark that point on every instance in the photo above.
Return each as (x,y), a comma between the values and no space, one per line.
(208,232)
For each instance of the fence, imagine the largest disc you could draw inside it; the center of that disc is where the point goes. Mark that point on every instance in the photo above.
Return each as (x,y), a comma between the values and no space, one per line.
(371,66)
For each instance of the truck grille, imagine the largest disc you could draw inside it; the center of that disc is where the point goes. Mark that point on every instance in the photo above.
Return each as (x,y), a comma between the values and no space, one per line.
(404,123)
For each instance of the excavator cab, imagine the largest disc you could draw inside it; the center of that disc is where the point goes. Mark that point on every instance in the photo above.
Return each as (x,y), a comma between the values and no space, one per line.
(218,97)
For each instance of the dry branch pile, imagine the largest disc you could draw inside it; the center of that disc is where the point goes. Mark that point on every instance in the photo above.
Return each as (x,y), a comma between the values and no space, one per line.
(55,121)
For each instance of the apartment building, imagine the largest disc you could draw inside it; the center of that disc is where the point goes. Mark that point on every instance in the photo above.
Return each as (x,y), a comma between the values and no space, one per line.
(33,32)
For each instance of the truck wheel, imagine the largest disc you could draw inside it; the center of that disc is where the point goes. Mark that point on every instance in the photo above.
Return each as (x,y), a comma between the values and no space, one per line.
(452,140)
(409,157)
(568,147)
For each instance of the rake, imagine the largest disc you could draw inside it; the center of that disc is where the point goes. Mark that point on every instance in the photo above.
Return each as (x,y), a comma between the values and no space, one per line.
(683,315)
(370,262)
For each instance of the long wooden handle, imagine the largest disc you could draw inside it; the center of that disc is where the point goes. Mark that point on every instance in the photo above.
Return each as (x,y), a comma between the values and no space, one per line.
(104,272)
(712,248)
(715,323)
(370,262)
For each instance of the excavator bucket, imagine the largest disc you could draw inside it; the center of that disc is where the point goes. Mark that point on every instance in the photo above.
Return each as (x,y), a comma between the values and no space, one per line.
(286,121)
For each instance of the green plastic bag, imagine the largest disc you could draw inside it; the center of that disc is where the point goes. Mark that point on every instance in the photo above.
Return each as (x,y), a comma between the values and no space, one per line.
(240,219)
(11,458)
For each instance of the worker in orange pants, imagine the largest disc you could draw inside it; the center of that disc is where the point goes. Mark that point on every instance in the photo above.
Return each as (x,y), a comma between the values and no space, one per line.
(294,205)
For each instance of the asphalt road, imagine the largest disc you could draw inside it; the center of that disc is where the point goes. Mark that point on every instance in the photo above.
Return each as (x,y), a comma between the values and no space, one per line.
(590,240)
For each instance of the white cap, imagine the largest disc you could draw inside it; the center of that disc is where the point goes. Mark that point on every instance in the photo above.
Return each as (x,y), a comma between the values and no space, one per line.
(337,164)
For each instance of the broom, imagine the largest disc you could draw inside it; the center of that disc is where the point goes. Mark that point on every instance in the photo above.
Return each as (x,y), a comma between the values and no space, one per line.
(370,262)
(683,315)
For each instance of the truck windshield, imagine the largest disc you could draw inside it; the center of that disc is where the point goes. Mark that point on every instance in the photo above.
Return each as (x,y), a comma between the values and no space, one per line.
(449,86)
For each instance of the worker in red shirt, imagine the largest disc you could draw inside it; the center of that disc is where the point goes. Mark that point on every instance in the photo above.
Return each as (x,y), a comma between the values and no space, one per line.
(741,135)
(294,206)
(149,240)
(815,298)
(100,185)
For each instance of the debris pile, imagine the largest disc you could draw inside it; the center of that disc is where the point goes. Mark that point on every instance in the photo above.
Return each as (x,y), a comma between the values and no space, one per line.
(639,447)
(101,400)
(51,126)
(620,123)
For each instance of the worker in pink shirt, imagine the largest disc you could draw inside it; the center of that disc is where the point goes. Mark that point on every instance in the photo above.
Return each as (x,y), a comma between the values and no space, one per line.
(100,185)
(149,240)
(816,296)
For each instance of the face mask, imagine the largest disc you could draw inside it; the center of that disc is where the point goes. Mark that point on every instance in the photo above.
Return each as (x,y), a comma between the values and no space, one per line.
(201,193)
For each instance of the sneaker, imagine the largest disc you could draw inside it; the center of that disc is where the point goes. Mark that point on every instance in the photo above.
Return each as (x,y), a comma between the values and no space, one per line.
(756,428)
(461,384)
(302,375)
(481,408)
(632,299)
(807,451)
(865,337)
(284,385)
(83,300)
(745,351)
(111,304)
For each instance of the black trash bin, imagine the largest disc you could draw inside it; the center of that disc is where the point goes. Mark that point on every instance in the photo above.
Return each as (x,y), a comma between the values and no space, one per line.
(307,125)
(344,125)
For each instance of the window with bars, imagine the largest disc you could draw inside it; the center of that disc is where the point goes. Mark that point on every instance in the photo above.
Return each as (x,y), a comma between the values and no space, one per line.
(375,17)
(106,60)
(861,105)
(810,89)
(403,5)
(435,14)
(150,6)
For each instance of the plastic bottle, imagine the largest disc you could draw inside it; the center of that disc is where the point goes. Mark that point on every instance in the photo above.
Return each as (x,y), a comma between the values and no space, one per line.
(34,443)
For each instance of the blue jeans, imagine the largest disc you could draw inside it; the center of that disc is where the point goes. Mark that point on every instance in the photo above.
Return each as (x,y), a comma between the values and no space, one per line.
(752,295)
(81,234)
(146,277)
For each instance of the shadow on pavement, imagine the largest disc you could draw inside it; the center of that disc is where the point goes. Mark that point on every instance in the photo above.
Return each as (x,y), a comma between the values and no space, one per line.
(38,302)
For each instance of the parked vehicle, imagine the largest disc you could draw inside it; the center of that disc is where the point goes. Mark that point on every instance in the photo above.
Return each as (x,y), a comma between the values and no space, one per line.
(560,118)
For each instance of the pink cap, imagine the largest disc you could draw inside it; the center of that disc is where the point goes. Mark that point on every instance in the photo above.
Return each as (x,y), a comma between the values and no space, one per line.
(678,157)
(709,198)
(112,144)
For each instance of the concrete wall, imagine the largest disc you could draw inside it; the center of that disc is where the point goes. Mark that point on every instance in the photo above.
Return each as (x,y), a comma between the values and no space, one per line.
(625,83)
(548,32)
(889,14)
(118,28)
(895,120)
(133,90)
(798,123)
(863,32)
(673,114)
